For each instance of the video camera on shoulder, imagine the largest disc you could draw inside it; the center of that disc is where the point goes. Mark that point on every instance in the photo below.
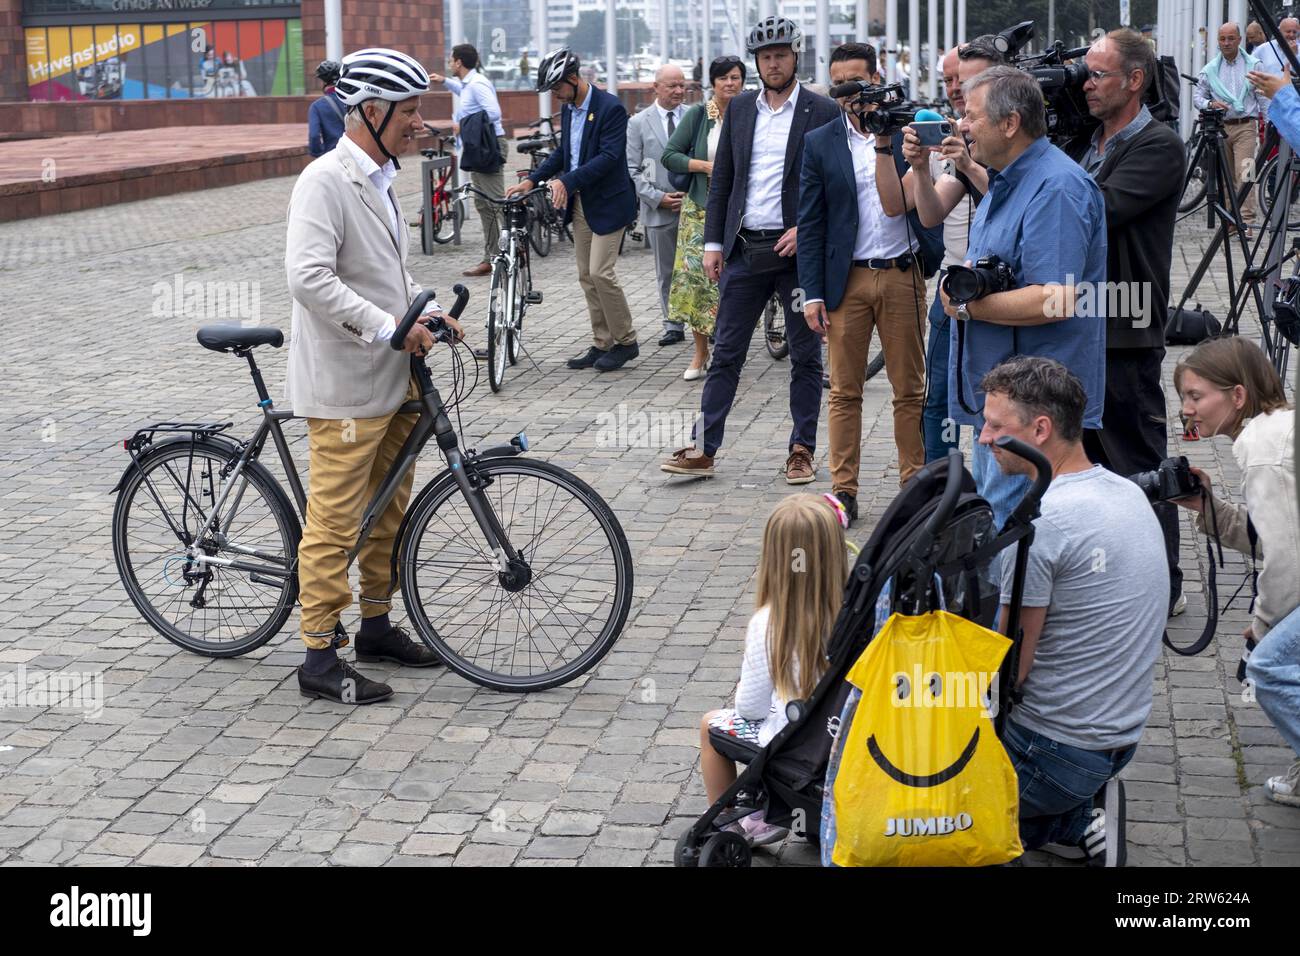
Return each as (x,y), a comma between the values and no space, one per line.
(1286,310)
(1172,478)
(989,275)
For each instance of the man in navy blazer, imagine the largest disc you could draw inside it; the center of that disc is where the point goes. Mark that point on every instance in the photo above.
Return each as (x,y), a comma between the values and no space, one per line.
(859,269)
(589,181)
(750,238)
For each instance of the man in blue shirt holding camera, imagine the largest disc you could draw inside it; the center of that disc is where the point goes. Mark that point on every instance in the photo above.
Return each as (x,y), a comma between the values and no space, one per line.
(1043,217)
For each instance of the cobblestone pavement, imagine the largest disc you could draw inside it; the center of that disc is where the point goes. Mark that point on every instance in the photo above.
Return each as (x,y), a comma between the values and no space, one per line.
(222,762)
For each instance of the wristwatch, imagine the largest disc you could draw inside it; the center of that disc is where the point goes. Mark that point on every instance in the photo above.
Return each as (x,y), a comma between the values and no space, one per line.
(963,313)
(887,150)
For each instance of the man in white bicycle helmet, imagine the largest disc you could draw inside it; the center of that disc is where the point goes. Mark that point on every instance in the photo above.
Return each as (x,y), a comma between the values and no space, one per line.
(345,259)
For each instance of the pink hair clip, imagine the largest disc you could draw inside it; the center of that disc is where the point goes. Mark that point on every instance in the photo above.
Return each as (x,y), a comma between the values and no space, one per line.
(840,511)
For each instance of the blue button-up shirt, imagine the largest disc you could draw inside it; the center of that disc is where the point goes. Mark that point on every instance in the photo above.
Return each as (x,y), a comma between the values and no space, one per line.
(1045,217)
(1284,113)
(577,125)
(477,95)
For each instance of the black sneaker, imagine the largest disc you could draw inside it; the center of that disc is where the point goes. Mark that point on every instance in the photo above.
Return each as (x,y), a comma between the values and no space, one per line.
(342,684)
(850,503)
(587,359)
(617,357)
(395,646)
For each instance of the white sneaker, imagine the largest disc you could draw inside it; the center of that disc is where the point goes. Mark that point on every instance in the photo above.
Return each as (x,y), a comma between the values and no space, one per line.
(1286,788)
(1179,605)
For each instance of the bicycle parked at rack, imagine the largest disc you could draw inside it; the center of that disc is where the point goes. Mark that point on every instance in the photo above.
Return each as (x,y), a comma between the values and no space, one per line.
(512,283)
(448,213)
(514,571)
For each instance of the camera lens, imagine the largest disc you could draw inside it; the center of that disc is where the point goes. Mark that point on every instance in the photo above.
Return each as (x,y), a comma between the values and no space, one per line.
(963,284)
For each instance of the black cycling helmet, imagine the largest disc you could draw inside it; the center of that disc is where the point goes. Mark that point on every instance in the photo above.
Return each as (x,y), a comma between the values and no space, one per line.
(328,72)
(555,68)
(775,31)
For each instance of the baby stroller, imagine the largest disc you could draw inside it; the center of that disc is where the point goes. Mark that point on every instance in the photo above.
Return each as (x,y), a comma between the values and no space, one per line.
(933,546)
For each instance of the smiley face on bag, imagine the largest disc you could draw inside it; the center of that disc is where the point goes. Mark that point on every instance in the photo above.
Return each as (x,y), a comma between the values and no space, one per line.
(972,691)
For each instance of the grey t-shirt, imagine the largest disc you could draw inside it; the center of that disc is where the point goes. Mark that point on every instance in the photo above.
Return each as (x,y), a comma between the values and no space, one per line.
(1098,565)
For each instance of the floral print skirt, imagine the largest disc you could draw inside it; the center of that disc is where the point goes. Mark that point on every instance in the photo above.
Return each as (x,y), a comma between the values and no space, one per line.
(692,298)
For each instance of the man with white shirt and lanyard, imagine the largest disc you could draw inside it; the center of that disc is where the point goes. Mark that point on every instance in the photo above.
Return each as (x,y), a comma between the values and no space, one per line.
(1222,84)
(345,260)
(477,95)
(750,231)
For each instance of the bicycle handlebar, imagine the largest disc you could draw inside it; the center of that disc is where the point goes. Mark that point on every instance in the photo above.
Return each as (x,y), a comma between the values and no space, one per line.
(510,200)
(416,309)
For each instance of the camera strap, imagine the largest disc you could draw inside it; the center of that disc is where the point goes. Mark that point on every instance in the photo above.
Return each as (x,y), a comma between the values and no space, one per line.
(1212,591)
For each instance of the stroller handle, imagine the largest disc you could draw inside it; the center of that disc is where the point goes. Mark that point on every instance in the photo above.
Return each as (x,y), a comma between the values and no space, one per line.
(1027,510)
(951,492)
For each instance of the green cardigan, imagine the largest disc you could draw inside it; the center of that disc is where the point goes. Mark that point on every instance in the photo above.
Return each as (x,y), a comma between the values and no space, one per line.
(690,140)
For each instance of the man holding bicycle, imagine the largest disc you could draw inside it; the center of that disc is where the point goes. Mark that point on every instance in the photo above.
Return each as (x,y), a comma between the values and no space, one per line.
(346,265)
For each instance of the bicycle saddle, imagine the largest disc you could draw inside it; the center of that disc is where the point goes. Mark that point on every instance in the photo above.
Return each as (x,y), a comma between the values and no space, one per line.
(223,338)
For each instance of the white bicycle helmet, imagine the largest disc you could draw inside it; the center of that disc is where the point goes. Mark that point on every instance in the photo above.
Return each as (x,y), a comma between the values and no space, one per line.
(554,68)
(380,74)
(775,31)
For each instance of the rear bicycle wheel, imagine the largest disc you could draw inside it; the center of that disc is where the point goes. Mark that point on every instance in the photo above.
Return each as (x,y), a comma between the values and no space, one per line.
(774,329)
(506,634)
(875,365)
(1270,185)
(499,308)
(443,229)
(539,232)
(211,609)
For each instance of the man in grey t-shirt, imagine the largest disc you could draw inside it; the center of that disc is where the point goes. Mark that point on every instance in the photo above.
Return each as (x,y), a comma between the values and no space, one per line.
(1095,600)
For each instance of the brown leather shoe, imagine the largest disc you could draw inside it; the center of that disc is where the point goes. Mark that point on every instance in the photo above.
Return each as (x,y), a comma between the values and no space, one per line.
(689,461)
(482,269)
(799,466)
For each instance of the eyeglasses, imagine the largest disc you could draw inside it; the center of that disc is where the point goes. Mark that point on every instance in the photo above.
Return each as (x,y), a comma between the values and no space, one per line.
(1098,75)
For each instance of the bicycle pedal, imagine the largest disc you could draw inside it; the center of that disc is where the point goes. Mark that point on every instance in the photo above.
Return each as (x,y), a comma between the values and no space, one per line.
(534,297)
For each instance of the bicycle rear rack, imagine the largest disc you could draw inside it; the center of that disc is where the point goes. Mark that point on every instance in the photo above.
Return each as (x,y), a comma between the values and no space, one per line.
(144,436)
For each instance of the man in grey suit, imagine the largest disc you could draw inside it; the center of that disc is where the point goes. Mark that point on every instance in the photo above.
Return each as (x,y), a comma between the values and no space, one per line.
(647,135)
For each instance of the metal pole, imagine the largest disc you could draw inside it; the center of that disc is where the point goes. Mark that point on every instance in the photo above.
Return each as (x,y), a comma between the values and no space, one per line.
(891,40)
(1051,22)
(932,58)
(914,48)
(456,23)
(611,47)
(823,73)
(861,21)
(706,36)
(334,30)
(664,52)
(947,26)
(961,21)
(541,38)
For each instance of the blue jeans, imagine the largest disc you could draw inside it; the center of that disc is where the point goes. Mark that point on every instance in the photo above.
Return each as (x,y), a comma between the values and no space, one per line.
(1057,784)
(1002,492)
(1274,669)
(935,420)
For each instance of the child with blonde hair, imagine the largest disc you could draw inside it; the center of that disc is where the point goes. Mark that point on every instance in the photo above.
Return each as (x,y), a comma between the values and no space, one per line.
(801,576)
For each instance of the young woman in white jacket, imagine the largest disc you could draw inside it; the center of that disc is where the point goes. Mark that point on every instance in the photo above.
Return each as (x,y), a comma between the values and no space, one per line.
(1229,388)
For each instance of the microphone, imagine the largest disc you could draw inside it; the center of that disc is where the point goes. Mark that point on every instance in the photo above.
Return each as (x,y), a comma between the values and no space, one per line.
(852,88)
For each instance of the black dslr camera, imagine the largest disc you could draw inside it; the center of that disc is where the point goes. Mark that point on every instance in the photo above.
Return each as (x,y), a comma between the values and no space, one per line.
(967,283)
(1171,479)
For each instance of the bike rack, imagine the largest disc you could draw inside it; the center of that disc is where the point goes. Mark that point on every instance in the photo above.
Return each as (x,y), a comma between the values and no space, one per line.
(427,169)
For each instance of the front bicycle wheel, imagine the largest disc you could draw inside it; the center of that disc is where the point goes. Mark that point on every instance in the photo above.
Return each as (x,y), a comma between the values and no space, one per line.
(527,632)
(539,231)
(238,601)
(523,286)
(499,306)
(443,230)
(1269,188)
(1194,178)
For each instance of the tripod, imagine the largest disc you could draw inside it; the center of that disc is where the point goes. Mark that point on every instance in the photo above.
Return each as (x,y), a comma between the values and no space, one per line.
(1212,152)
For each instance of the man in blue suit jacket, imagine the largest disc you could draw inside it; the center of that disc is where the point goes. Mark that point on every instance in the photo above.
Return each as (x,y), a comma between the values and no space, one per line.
(589,181)
(860,272)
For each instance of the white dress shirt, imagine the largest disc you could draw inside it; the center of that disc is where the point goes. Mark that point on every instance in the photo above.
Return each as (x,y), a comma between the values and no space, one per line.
(382,177)
(663,118)
(477,95)
(766,166)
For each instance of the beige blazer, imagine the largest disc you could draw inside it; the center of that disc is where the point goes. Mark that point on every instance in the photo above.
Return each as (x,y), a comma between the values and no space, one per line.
(347,275)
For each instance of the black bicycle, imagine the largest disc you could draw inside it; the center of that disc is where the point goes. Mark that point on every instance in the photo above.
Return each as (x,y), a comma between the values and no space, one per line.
(547,222)
(514,571)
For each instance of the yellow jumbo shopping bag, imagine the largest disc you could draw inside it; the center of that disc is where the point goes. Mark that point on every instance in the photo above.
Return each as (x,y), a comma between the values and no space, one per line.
(923,779)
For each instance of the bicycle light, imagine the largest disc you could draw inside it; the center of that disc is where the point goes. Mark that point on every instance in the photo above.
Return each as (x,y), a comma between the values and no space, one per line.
(520,441)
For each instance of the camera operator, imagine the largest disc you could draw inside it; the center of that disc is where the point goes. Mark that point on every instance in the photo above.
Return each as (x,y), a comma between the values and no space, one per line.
(1222,85)
(1091,625)
(945,185)
(1228,387)
(1138,163)
(1044,219)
